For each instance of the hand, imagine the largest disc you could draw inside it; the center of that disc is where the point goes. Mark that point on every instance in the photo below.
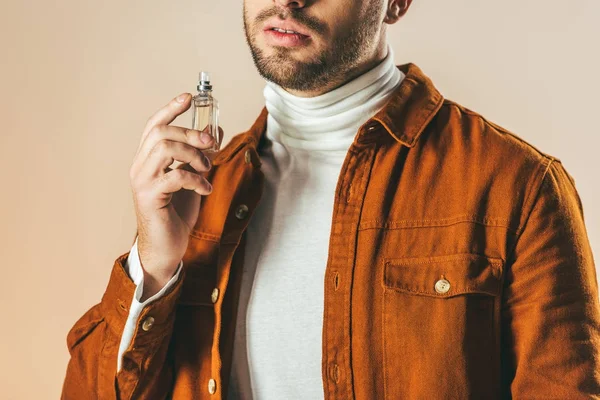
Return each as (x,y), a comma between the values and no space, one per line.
(165,213)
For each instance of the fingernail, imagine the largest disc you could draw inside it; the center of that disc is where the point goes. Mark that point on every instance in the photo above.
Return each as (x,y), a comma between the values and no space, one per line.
(205,137)
(181,98)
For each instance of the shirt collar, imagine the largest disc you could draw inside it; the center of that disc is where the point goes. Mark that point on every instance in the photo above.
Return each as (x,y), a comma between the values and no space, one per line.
(411,106)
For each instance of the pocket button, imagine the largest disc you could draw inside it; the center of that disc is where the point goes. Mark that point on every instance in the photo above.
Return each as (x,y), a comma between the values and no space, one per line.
(442,286)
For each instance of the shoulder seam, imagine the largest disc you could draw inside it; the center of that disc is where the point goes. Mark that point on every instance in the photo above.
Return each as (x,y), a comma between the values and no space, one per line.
(497,127)
(531,199)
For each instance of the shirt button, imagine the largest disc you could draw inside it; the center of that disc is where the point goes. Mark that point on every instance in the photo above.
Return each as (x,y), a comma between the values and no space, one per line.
(212,386)
(335,373)
(214,295)
(372,126)
(241,211)
(248,157)
(442,286)
(148,324)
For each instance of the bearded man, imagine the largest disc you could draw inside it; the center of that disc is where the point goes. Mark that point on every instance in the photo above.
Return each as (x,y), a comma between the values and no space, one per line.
(366,238)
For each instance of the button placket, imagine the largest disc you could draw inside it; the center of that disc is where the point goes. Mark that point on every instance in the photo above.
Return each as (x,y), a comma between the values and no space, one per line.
(241,211)
(349,197)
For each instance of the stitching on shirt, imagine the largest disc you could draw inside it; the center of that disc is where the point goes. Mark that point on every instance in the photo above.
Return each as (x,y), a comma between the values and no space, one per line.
(494,126)
(365,174)
(205,236)
(383,341)
(449,294)
(549,161)
(423,223)
(348,262)
(427,117)
(531,206)
(494,261)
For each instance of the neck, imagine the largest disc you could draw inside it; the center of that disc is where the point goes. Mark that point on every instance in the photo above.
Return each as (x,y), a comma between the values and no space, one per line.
(330,120)
(353,73)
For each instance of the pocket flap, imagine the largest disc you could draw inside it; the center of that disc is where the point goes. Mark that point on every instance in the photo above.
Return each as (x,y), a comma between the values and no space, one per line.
(444,276)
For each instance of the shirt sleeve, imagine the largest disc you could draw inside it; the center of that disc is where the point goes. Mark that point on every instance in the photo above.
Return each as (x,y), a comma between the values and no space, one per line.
(93,343)
(550,307)
(133,267)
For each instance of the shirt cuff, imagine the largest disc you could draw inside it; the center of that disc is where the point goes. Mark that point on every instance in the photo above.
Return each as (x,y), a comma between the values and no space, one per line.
(134,269)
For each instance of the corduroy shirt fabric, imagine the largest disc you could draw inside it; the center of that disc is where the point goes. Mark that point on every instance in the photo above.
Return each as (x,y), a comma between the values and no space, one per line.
(458,267)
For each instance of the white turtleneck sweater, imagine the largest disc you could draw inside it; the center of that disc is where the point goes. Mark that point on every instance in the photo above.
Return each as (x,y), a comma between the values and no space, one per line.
(278,337)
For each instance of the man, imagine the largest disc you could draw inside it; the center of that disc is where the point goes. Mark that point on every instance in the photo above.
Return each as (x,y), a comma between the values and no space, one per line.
(365,239)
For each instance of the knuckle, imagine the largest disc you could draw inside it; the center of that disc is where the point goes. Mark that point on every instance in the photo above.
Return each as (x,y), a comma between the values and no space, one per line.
(151,121)
(155,132)
(172,174)
(178,174)
(161,147)
(169,176)
(134,173)
(193,135)
(189,133)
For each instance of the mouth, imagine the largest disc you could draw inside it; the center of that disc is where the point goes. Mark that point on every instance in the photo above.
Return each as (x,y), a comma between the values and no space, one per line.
(288,27)
(286,34)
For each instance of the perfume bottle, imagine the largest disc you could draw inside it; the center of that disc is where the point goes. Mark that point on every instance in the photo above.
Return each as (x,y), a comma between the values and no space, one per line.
(205,116)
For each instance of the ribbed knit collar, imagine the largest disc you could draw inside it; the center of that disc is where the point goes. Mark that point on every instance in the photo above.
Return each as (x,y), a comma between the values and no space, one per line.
(329,121)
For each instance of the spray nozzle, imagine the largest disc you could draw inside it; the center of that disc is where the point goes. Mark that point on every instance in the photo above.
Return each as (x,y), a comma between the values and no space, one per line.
(204,81)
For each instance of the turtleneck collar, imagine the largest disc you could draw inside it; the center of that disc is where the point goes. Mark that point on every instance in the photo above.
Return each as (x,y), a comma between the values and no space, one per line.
(329,121)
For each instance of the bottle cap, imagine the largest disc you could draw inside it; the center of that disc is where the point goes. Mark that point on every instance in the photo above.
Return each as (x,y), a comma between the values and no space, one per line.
(204,81)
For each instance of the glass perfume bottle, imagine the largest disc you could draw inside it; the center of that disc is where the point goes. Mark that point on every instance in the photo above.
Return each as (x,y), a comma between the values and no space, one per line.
(205,116)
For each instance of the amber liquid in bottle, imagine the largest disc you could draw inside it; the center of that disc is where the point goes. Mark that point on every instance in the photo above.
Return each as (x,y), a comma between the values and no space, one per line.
(205,116)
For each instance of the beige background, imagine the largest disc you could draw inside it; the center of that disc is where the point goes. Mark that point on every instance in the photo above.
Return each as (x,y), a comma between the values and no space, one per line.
(80,78)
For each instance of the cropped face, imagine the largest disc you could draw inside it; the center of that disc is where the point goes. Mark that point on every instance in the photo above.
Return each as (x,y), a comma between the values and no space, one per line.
(307,45)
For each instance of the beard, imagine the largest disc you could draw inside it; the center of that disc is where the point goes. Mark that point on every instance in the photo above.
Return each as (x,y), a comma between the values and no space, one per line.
(344,53)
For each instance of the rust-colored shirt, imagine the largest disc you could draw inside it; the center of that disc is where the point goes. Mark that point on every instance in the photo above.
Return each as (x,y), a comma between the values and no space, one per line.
(459,267)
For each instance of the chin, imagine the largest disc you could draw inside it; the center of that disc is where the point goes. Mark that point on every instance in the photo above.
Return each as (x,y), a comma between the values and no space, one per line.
(291,57)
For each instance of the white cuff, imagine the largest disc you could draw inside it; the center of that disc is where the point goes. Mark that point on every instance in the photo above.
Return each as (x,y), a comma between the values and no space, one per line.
(133,267)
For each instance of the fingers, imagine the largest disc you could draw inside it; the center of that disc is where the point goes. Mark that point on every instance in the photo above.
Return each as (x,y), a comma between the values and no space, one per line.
(167,114)
(178,179)
(176,133)
(167,151)
(162,145)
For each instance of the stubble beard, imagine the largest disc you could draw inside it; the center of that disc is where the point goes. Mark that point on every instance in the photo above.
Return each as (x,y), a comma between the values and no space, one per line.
(346,51)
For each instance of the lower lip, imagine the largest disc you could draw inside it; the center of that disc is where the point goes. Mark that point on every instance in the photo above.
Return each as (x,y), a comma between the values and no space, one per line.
(286,39)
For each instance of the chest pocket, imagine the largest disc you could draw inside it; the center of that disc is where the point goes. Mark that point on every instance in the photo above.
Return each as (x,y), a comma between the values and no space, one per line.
(438,324)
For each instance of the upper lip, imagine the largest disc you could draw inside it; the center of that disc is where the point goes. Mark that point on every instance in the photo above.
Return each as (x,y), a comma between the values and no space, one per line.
(287,25)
